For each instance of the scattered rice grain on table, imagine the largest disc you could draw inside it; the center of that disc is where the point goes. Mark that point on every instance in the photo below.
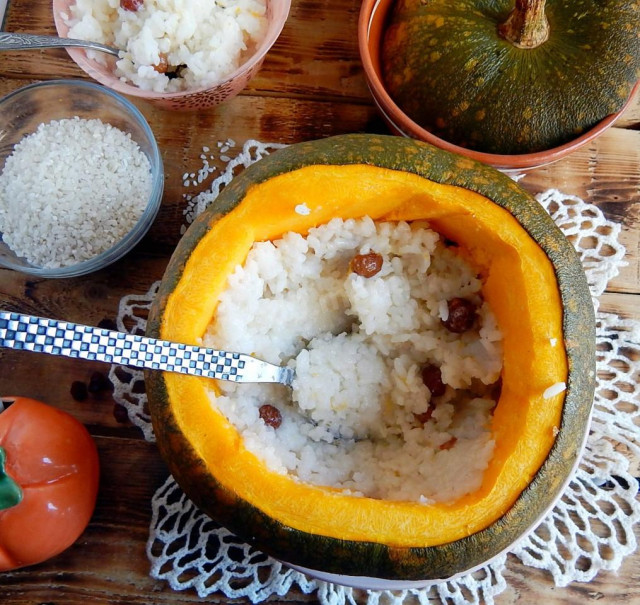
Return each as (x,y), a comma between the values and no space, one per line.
(360,416)
(72,190)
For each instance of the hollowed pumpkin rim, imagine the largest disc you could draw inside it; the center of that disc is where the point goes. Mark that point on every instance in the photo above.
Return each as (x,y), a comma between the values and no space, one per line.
(469,524)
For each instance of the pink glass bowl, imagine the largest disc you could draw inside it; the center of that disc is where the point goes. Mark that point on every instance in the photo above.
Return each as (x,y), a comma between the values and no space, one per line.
(198,98)
(371,24)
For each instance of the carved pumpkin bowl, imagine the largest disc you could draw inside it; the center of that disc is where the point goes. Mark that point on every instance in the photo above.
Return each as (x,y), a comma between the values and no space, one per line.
(431,72)
(533,281)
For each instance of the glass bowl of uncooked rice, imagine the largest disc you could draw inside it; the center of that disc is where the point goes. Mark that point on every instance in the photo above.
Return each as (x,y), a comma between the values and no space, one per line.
(81,178)
(177,54)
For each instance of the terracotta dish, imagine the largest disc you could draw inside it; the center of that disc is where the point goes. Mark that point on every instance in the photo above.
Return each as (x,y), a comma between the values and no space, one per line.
(371,25)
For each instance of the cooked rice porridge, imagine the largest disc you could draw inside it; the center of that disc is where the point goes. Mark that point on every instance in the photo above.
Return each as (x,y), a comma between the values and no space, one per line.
(391,399)
(171,45)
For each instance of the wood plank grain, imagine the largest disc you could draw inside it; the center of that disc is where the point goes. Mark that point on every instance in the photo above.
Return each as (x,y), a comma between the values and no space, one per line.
(315,56)
(605,173)
(89,300)
(626,306)
(108,564)
(631,117)
(311,86)
(49,378)
(607,588)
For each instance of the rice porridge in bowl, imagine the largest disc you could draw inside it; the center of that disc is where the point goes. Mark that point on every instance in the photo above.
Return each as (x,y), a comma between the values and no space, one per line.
(178,54)
(397,360)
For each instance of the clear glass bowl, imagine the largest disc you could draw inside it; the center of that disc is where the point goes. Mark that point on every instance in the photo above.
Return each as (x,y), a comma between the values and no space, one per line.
(22,111)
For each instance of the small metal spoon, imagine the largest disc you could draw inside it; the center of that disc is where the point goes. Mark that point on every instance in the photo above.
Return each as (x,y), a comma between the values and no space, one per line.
(12,41)
(43,335)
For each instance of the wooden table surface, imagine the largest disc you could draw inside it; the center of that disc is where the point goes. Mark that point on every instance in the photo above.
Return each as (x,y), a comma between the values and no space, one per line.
(311,86)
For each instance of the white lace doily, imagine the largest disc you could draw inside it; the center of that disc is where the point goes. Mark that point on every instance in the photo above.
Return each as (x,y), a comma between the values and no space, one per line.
(589,530)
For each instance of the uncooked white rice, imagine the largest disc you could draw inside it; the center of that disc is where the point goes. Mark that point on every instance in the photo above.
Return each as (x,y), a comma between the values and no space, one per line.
(358,345)
(200,41)
(72,190)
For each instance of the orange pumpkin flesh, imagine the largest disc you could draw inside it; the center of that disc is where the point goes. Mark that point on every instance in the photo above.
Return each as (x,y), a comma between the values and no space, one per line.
(520,285)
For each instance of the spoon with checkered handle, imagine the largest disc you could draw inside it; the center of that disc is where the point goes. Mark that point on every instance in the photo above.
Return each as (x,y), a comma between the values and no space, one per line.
(30,333)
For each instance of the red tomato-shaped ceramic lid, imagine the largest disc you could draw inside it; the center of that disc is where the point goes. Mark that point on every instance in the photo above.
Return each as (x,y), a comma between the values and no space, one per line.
(48,481)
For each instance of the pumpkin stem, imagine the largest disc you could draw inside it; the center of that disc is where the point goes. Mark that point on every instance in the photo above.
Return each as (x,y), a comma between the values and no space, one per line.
(527,25)
(10,492)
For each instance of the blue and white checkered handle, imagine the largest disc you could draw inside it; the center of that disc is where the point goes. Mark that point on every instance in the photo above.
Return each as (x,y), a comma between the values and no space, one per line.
(42,335)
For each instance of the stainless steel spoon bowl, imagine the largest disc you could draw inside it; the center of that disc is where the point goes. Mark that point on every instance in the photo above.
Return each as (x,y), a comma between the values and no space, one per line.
(13,41)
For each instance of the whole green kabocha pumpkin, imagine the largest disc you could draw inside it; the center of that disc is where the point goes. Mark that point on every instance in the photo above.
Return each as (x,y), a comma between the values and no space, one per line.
(493,78)
(534,283)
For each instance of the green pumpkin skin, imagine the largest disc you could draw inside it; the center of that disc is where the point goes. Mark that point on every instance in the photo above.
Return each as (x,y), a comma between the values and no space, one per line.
(367,558)
(448,69)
